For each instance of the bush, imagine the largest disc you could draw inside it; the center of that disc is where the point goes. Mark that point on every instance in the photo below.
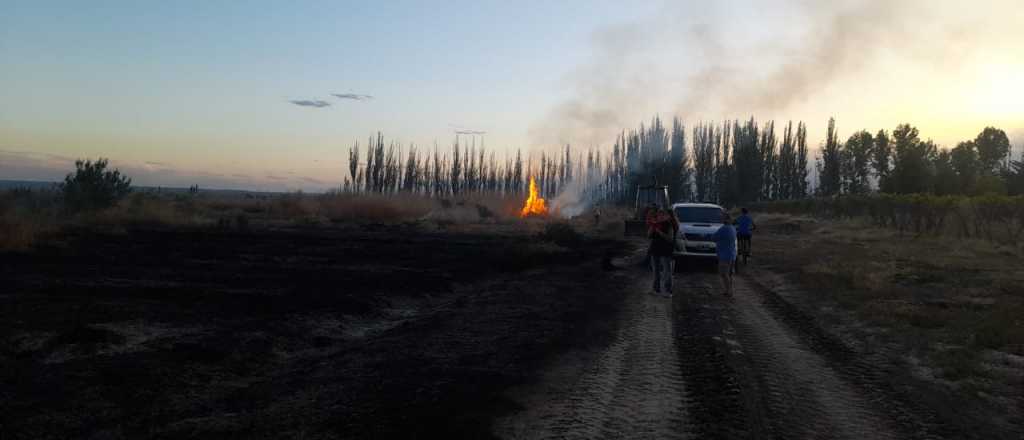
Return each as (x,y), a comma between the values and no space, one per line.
(561,234)
(93,187)
(997,218)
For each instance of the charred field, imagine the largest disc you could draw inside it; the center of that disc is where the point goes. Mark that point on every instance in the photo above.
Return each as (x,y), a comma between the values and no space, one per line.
(342,331)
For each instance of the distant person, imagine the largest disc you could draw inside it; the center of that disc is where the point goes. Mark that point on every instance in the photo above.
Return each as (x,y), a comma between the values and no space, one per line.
(745,228)
(725,245)
(597,215)
(662,230)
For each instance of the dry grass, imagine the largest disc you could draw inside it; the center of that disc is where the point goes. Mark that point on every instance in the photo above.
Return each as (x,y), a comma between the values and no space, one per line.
(943,304)
(26,217)
(372,208)
(19,233)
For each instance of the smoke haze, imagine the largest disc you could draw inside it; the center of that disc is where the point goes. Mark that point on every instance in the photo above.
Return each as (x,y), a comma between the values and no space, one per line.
(705,61)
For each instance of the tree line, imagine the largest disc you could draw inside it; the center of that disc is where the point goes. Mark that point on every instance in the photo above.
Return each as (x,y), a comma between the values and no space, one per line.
(901,162)
(729,163)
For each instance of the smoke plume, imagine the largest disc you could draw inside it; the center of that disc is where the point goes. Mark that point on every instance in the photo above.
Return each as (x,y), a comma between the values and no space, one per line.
(715,60)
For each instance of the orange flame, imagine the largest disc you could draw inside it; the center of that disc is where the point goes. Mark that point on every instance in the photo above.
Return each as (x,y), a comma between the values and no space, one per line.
(534,204)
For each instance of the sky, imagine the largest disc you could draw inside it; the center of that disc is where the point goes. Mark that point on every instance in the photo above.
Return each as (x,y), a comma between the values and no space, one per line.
(270,95)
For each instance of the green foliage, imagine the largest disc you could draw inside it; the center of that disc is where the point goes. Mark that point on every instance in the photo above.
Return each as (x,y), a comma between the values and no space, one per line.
(989,184)
(681,173)
(92,186)
(1015,178)
(912,165)
(705,138)
(747,162)
(856,161)
(946,179)
(964,160)
(993,147)
(830,163)
(881,155)
(997,218)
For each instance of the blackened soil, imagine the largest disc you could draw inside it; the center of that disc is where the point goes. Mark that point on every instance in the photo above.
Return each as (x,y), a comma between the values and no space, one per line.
(391,332)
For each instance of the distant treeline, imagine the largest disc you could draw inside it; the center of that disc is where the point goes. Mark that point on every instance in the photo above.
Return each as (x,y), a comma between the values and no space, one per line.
(730,162)
(902,163)
(997,218)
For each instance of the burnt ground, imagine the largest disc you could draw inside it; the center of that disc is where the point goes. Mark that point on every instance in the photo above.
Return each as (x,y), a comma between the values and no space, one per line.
(401,332)
(351,332)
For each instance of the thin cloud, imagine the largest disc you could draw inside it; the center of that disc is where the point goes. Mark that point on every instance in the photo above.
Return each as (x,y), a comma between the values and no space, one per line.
(273,177)
(312,180)
(460,129)
(39,155)
(352,96)
(308,103)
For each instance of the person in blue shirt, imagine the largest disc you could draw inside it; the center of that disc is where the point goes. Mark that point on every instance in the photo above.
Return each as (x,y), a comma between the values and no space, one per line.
(725,245)
(744,232)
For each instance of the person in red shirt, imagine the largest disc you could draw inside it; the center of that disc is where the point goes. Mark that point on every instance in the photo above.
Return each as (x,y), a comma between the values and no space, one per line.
(662,229)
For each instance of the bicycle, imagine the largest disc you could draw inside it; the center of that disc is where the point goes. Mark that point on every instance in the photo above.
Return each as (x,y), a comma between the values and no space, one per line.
(743,252)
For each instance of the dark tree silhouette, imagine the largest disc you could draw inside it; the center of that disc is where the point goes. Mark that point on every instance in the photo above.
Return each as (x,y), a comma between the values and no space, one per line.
(993,150)
(92,186)
(881,158)
(830,163)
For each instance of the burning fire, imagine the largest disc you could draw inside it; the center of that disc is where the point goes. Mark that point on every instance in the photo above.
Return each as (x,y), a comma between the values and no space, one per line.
(534,204)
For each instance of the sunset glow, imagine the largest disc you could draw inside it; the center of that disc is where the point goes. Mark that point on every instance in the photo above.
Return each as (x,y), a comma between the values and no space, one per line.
(268,97)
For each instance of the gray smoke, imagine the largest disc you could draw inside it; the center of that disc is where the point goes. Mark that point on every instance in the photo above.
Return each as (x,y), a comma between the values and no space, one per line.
(731,59)
(570,201)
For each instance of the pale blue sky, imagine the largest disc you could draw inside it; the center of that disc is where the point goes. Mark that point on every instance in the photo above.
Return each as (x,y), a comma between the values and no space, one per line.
(199,91)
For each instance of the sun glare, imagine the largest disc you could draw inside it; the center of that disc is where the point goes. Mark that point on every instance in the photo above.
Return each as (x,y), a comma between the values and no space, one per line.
(999,92)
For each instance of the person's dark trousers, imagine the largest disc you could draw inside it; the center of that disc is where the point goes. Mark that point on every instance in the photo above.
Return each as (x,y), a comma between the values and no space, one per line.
(663,267)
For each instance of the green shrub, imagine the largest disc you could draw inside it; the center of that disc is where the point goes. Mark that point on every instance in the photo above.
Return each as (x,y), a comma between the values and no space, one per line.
(997,218)
(93,187)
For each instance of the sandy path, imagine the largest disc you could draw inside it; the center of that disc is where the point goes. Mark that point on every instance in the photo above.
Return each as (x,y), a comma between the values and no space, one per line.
(781,385)
(631,389)
(698,366)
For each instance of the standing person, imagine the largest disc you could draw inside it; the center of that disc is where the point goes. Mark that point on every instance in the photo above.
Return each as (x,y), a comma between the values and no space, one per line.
(745,228)
(725,245)
(662,232)
(597,215)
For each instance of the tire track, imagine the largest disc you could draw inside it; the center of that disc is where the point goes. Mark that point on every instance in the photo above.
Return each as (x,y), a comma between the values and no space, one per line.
(752,376)
(805,396)
(632,389)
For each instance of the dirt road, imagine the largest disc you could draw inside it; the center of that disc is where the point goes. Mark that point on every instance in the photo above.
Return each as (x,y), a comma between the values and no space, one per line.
(704,366)
(632,389)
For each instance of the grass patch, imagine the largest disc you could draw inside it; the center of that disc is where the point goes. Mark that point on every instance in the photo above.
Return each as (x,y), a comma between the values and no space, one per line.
(949,301)
(30,216)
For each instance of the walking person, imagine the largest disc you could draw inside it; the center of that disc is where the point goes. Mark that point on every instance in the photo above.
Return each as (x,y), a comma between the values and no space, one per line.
(725,245)
(662,231)
(745,228)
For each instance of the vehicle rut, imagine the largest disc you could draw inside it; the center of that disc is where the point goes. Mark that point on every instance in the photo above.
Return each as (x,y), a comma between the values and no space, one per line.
(751,376)
(631,389)
(705,366)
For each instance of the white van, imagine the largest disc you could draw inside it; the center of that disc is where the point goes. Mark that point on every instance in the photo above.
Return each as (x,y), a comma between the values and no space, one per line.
(697,223)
